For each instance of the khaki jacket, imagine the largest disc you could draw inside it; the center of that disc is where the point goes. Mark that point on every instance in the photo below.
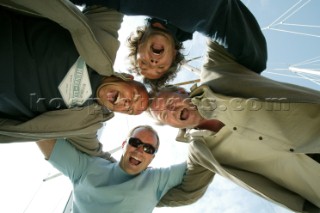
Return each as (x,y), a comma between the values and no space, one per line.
(94,30)
(226,83)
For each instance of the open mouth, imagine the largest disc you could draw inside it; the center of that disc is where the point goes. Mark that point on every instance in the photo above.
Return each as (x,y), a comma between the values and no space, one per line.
(134,161)
(184,114)
(113,96)
(157,49)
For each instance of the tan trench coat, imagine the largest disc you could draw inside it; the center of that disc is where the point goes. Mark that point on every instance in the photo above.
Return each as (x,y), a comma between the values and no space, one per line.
(294,130)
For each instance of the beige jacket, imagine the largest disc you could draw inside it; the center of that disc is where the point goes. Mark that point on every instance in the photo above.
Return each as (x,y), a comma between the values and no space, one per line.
(94,30)
(266,116)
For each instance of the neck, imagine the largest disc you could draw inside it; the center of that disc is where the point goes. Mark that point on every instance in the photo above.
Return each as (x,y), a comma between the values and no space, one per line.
(212,125)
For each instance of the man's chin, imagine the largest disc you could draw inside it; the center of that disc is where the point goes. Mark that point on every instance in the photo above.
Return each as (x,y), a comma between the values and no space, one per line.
(133,172)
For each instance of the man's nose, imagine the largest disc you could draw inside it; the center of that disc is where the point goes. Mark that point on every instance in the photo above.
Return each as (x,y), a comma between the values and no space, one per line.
(126,105)
(127,102)
(140,148)
(153,61)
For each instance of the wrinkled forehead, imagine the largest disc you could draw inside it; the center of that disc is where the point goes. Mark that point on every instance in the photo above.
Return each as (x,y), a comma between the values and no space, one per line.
(161,99)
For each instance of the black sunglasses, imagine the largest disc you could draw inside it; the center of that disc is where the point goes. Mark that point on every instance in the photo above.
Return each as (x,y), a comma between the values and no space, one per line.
(147,148)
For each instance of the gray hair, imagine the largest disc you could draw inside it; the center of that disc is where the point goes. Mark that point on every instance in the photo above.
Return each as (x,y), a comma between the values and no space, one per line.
(154,93)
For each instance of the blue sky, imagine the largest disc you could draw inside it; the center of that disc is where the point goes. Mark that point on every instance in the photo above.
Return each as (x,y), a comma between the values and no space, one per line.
(23,167)
(292,30)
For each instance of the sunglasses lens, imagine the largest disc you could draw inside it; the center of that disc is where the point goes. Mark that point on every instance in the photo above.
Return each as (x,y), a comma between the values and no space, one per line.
(147,148)
(135,142)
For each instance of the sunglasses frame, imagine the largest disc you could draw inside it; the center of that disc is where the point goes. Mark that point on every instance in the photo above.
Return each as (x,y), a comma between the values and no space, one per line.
(136,142)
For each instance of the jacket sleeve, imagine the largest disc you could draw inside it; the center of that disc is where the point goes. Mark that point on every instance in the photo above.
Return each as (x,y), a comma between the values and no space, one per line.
(85,30)
(87,143)
(194,184)
(220,70)
(62,123)
(105,24)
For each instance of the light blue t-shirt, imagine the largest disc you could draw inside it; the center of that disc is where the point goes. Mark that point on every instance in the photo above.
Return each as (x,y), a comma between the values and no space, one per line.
(102,186)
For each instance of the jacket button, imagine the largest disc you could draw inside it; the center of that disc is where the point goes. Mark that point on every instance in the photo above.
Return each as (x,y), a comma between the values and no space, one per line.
(291,150)
(260,138)
(234,128)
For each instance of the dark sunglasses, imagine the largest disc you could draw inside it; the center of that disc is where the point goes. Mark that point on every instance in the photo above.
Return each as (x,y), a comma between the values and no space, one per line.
(147,148)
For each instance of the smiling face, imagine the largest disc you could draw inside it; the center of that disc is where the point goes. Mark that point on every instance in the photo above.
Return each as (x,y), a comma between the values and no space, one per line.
(156,53)
(175,109)
(129,97)
(135,160)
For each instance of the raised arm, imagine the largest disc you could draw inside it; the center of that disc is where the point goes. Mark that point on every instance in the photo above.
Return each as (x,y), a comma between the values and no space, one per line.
(194,184)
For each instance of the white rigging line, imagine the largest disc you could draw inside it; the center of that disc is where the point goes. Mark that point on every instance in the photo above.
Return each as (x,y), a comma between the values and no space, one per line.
(283,14)
(296,10)
(301,25)
(280,74)
(302,73)
(310,79)
(308,61)
(184,64)
(33,197)
(286,15)
(294,32)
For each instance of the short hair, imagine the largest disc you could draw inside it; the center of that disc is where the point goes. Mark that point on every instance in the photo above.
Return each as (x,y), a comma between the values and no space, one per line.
(148,128)
(165,88)
(154,93)
(133,42)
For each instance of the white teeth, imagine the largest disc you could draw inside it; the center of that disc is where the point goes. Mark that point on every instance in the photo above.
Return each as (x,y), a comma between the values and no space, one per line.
(183,114)
(118,99)
(136,158)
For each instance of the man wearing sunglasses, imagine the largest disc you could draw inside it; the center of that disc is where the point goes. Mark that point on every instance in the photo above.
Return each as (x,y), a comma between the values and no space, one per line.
(101,185)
